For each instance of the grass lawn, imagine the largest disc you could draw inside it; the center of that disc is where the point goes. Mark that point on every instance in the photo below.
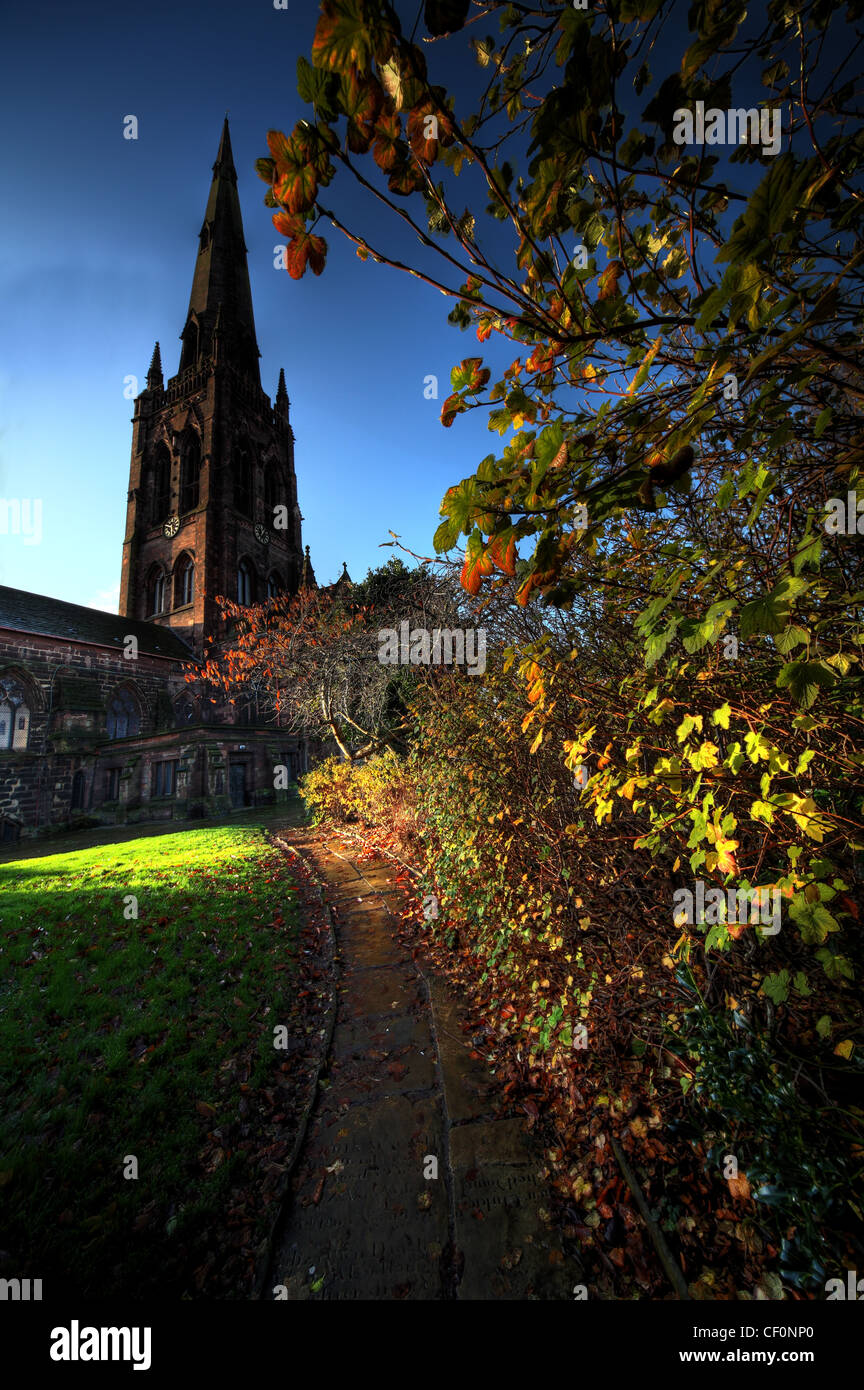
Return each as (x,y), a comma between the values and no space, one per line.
(149,1037)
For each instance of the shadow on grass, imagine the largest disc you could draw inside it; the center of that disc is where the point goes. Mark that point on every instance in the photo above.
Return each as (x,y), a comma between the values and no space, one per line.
(290,812)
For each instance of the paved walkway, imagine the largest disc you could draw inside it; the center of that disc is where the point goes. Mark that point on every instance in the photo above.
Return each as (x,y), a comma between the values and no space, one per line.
(402,1099)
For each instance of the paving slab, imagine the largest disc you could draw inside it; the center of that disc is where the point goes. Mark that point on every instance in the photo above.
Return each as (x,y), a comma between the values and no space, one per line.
(411,1182)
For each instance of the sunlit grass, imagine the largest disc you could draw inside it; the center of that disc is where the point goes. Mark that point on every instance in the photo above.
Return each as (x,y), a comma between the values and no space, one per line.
(115,1031)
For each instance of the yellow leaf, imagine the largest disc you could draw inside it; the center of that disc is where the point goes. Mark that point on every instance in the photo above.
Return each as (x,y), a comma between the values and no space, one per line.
(646,363)
(725,858)
(536,744)
(844,1049)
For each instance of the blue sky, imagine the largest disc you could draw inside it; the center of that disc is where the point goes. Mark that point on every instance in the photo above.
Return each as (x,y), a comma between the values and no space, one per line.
(97,248)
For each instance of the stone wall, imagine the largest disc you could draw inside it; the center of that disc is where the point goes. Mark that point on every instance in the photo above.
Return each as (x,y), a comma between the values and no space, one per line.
(70,686)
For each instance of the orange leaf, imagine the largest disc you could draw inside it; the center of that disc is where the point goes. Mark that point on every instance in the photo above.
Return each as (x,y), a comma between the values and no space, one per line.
(502,551)
(471,578)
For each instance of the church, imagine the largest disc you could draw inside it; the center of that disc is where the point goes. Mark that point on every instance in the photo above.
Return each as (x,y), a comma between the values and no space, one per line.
(98,724)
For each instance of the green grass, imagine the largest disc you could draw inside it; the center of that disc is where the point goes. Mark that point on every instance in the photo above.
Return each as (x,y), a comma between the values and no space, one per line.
(150,1037)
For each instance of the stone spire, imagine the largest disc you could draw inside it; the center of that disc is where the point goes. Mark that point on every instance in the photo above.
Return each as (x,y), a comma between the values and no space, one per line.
(154,373)
(307,577)
(282,401)
(221,278)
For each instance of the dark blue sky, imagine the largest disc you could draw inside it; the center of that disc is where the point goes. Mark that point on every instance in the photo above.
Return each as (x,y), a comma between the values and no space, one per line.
(97,248)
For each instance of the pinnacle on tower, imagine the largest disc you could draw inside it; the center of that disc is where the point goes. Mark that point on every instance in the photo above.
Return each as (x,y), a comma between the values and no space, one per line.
(307,577)
(282,401)
(154,372)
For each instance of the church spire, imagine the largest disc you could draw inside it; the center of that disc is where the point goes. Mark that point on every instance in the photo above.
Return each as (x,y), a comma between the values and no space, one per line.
(222,277)
(224,158)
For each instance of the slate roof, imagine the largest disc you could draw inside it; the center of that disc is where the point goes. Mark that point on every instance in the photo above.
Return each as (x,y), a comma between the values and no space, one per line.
(51,617)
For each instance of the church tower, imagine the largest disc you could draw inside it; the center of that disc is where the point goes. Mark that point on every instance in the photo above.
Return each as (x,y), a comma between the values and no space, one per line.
(212,504)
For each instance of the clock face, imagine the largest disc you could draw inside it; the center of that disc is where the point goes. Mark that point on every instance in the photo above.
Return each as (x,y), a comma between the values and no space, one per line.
(172,526)
(262,534)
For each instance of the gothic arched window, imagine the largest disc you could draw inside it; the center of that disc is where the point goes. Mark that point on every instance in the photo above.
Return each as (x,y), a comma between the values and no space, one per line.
(184,710)
(157,592)
(124,718)
(14,715)
(272,493)
(274,584)
(243,482)
(77,791)
(245,582)
(190,344)
(161,485)
(190,470)
(184,581)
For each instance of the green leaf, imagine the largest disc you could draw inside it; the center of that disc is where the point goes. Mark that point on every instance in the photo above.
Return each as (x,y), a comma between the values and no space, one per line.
(804,680)
(814,921)
(721,715)
(445,537)
(789,589)
(777,986)
(700,828)
(791,637)
(835,967)
(317,88)
(762,615)
(823,420)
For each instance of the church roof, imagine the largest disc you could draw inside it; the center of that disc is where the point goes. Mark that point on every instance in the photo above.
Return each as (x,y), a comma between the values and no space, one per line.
(52,617)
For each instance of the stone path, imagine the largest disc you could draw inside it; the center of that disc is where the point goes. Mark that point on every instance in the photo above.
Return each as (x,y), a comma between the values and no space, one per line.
(402,1099)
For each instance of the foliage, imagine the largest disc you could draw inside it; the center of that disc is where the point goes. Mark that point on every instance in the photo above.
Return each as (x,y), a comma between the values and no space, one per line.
(312,659)
(796,1158)
(679,621)
(339,792)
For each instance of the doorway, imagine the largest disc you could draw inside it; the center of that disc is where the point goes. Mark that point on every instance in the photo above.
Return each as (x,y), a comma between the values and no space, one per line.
(238,789)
